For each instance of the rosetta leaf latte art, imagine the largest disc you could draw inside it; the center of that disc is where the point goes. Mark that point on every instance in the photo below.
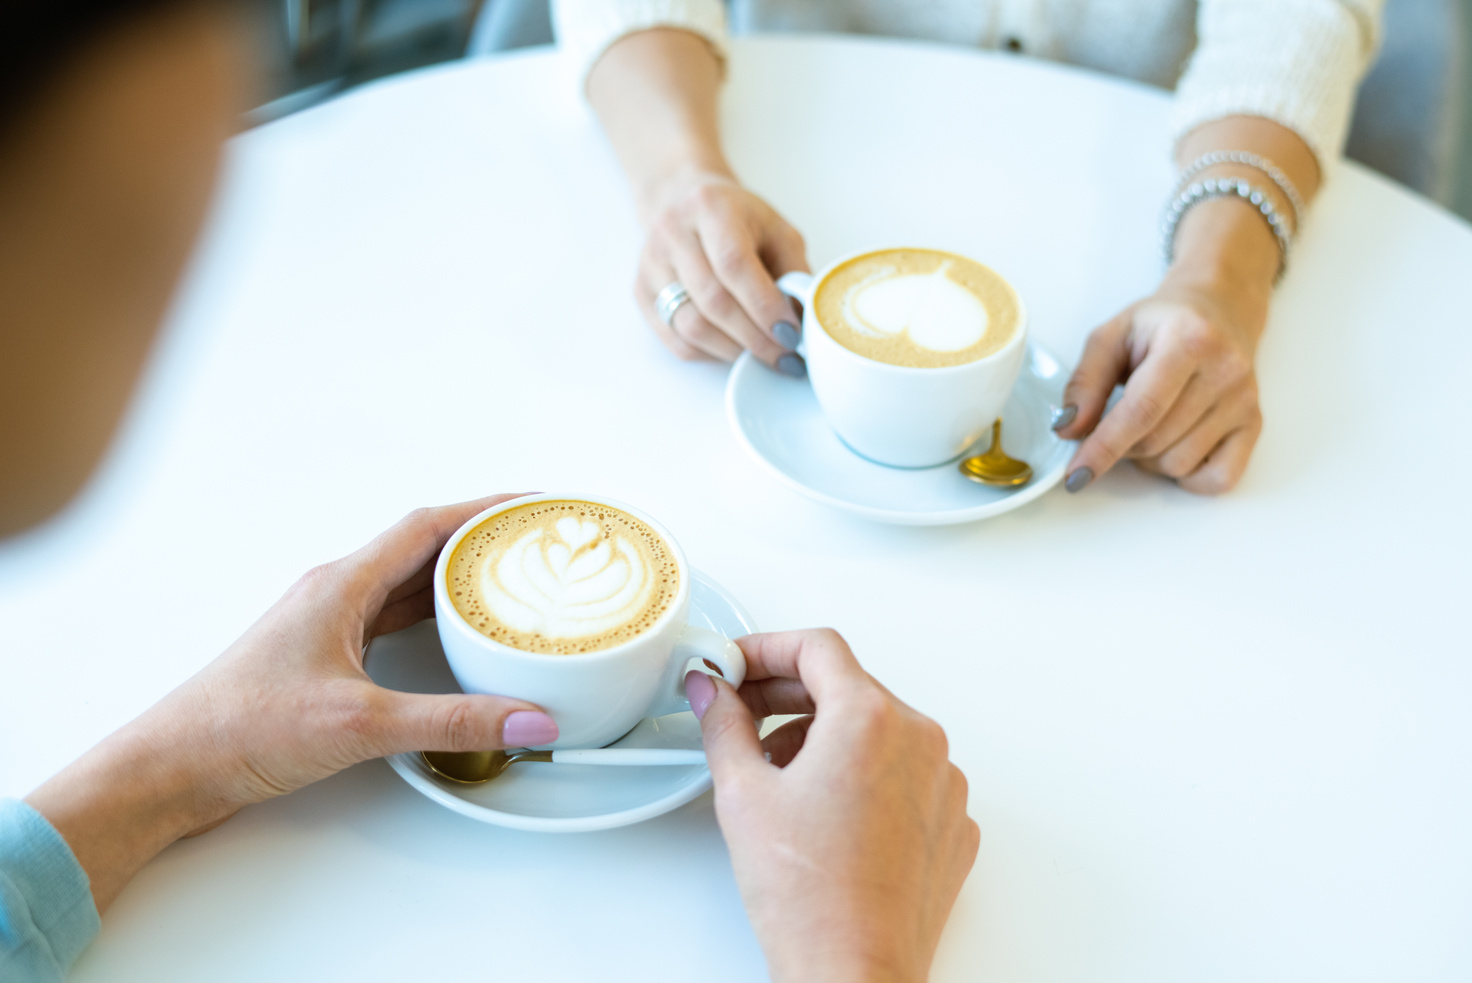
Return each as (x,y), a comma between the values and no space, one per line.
(562,577)
(571,581)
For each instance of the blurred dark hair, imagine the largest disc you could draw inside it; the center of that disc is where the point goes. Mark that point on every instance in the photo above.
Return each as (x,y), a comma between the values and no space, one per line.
(38,38)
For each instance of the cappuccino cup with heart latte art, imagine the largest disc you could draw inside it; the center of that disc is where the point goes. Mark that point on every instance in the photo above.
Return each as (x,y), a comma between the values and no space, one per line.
(577,604)
(912,352)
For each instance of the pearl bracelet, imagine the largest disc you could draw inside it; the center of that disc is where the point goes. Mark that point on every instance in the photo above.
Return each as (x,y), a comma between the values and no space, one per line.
(1290,191)
(1200,191)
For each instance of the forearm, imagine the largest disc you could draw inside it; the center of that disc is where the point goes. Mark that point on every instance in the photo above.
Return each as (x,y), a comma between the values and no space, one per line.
(656,94)
(122,803)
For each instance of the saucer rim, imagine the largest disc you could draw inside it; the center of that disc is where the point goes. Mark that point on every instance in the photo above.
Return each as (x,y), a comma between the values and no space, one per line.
(409,768)
(1041,484)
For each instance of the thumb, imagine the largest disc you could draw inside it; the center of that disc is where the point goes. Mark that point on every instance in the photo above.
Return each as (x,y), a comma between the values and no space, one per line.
(1104,361)
(726,727)
(458,722)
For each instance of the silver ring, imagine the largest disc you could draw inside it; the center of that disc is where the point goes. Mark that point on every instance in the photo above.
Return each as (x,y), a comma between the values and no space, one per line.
(669,301)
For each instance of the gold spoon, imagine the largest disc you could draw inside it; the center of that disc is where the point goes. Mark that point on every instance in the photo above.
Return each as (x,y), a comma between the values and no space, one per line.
(474,767)
(995,467)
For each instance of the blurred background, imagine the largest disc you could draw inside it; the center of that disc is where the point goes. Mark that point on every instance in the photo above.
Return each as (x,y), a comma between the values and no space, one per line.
(1413,123)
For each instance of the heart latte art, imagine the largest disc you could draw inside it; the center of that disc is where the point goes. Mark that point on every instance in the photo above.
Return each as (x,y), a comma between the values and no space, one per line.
(921,308)
(562,577)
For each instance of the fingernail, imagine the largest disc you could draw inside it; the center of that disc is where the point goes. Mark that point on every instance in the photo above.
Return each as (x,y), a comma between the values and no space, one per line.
(793,365)
(1079,479)
(1064,416)
(700,691)
(786,334)
(525,728)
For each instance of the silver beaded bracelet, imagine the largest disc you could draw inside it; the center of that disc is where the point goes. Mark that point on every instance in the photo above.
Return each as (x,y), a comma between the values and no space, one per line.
(1290,191)
(1200,191)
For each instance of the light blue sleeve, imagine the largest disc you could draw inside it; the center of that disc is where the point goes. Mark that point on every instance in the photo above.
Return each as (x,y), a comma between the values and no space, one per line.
(46,912)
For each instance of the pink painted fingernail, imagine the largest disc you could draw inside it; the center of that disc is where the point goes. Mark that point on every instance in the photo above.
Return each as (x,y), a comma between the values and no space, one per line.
(526,728)
(700,691)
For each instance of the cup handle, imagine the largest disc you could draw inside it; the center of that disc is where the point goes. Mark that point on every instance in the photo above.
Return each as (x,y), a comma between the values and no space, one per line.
(697,643)
(798,286)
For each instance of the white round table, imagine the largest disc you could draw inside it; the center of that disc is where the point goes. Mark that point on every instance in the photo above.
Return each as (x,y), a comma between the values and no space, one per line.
(1207,739)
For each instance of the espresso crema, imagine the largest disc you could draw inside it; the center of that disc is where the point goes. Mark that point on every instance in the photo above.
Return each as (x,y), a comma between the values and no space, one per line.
(562,577)
(921,308)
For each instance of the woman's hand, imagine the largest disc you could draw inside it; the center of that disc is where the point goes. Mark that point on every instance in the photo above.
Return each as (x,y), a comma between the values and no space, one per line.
(1186,359)
(726,247)
(851,844)
(286,705)
(1189,409)
(1186,355)
(655,92)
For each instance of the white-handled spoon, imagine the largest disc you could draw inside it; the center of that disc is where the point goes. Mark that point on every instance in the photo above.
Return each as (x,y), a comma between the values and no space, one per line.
(474,767)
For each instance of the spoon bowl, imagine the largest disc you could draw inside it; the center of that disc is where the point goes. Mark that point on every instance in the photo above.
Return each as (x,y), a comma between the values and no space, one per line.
(994,467)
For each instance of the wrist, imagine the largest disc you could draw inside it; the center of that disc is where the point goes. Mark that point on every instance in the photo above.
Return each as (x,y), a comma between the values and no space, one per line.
(1223,247)
(123,802)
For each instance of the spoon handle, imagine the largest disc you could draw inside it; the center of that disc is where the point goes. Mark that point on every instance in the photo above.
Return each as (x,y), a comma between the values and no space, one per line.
(629,756)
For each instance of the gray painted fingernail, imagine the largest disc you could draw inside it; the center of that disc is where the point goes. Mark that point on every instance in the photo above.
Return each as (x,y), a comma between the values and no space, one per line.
(793,365)
(1079,480)
(1063,417)
(787,336)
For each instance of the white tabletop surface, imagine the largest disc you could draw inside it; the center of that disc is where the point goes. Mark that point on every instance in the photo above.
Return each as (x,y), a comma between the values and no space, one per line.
(1207,739)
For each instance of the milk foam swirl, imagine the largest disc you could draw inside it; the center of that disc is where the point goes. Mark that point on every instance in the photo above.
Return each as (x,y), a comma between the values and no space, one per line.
(562,577)
(569,582)
(935,311)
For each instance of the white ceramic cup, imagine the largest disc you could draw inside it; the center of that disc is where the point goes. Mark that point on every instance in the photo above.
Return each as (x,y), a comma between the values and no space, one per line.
(595,697)
(899,415)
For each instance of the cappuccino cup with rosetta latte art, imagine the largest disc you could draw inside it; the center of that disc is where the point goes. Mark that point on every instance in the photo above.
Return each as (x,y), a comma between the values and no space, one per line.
(578,604)
(912,353)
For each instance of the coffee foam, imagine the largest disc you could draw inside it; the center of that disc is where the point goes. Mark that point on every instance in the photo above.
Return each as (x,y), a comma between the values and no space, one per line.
(562,577)
(922,308)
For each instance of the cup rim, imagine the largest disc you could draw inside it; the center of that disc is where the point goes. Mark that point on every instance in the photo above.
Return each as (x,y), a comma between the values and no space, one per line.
(1018,338)
(445,608)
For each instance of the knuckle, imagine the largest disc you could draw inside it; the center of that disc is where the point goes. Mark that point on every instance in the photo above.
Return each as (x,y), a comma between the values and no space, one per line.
(1210,481)
(873,713)
(713,300)
(696,331)
(827,636)
(1175,469)
(1151,445)
(723,727)
(973,837)
(1233,365)
(932,737)
(420,516)
(1199,339)
(665,226)
(318,578)
(729,259)
(707,196)
(459,726)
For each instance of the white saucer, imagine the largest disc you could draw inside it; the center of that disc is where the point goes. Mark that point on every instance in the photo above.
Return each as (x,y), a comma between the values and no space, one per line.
(778,421)
(558,798)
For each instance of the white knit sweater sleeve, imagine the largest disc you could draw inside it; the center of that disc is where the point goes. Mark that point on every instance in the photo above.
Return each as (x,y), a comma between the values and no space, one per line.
(1295,62)
(587,28)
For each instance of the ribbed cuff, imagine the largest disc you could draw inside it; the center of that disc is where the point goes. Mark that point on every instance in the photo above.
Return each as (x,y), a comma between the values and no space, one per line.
(47,915)
(1295,62)
(585,29)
